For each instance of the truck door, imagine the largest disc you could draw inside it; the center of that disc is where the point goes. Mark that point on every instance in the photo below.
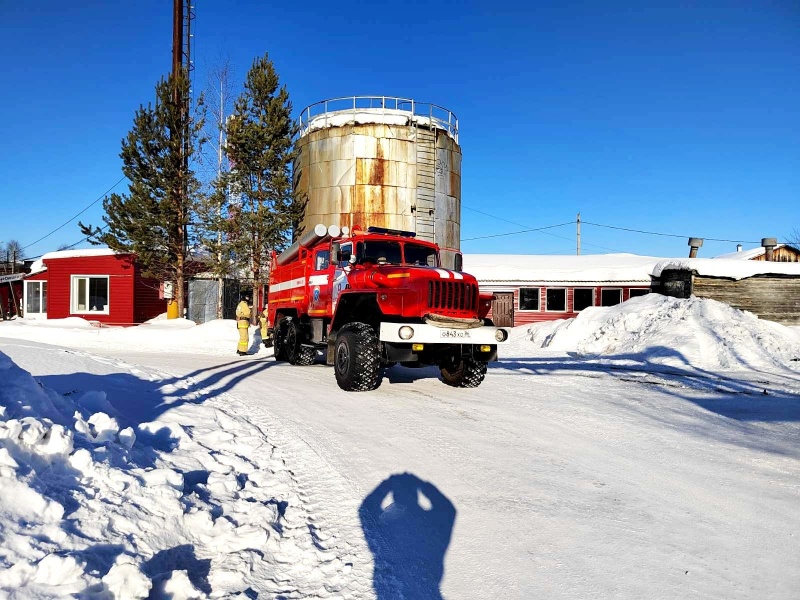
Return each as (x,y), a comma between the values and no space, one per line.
(319,283)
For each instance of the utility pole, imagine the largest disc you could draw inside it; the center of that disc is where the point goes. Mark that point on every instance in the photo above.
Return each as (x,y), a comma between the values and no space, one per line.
(578,236)
(182,15)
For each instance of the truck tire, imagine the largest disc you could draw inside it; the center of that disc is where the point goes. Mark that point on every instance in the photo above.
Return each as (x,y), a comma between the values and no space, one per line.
(357,358)
(466,373)
(280,343)
(295,353)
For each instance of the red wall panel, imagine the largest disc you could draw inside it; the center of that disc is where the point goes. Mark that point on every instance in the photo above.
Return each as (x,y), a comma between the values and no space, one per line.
(537,316)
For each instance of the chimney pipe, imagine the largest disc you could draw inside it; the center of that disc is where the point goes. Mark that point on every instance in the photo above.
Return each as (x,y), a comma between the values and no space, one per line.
(769,245)
(694,244)
(738,247)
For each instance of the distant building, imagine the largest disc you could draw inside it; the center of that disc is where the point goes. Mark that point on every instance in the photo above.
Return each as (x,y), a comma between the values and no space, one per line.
(533,288)
(780,253)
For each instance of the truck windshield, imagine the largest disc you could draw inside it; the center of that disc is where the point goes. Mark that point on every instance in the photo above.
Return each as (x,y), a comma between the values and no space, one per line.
(379,252)
(415,254)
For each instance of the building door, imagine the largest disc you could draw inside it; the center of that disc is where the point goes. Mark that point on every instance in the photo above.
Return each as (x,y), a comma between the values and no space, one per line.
(503,309)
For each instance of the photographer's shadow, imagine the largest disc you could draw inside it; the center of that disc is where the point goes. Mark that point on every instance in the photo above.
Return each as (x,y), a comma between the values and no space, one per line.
(407,523)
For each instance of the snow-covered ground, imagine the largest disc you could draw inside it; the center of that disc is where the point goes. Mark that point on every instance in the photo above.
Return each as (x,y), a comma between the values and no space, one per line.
(648,450)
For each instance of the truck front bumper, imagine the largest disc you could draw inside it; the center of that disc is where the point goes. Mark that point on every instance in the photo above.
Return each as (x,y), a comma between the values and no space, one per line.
(422,333)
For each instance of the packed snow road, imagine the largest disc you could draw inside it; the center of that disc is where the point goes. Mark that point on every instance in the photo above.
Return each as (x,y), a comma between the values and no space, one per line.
(557,478)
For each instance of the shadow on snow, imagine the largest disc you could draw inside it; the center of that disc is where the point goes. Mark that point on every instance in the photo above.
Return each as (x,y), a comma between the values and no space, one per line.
(407,523)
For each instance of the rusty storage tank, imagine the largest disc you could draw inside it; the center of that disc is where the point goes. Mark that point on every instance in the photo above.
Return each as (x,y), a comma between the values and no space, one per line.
(381,161)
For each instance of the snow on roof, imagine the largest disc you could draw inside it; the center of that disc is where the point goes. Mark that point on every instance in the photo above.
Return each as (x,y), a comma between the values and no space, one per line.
(37,266)
(733,269)
(743,255)
(80,253)
(364,116)
(531,268)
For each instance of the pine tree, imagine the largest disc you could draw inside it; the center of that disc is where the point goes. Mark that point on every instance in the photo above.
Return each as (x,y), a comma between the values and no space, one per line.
(260,150)
(152,220)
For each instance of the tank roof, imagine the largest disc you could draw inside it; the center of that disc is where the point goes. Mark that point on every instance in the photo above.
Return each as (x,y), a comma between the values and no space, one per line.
(386,110)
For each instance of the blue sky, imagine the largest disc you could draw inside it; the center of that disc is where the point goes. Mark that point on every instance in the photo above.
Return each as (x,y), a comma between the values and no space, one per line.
(678,119)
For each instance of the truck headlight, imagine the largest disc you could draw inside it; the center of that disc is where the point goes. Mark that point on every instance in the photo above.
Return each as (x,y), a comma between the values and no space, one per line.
(501,335)
(405,332)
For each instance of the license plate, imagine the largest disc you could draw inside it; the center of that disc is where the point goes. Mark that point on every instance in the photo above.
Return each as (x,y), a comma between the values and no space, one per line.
(455,334)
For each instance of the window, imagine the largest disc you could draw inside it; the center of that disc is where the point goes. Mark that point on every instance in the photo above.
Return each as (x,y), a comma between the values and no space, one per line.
(582,298)
(345,252)
(89,294)
(529,298)
(322,259)
(36,297)
(415,254)
(634,292)
(379,252)
(557,299)
(610,297)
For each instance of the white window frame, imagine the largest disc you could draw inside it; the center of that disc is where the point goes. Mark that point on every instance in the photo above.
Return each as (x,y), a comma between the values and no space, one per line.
(565,300)
(529,310)
(42,314)
(73,295)
(644,291)
(575,289)
(611,289)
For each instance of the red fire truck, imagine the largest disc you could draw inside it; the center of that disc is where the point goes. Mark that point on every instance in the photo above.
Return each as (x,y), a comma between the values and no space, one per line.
(372,299)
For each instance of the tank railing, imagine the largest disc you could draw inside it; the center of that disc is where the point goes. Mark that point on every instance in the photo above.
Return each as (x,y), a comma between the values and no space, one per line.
(437,116)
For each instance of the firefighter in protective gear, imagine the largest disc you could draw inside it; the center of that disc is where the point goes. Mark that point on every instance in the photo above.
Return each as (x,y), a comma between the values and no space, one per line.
(243,324)
(262,320)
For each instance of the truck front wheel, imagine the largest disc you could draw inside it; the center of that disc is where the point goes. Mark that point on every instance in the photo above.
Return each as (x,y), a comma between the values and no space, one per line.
(357,358)
(464,373)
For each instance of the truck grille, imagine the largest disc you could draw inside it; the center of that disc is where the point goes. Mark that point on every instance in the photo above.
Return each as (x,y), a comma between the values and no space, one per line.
(452,295)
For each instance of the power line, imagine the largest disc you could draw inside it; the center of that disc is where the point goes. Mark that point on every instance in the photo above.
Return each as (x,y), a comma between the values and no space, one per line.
(103,195)
(561,237)
(517,232)
(667,234)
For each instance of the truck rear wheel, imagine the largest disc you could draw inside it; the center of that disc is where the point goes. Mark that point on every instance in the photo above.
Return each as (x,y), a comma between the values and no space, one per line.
(295,353)
(280,340)
(357,358)
(464,373)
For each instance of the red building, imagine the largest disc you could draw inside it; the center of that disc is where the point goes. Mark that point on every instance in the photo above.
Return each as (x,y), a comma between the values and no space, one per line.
(96,284)
(531,288)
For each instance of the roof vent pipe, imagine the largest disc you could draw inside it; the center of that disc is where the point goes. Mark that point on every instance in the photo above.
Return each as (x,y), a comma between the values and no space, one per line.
(694,245)
(769,245)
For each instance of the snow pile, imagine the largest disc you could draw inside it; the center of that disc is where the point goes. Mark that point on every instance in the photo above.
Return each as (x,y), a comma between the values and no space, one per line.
(196,503)
(697,332)
(218,337)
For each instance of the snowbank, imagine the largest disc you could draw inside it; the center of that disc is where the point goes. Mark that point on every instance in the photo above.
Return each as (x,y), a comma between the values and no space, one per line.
(218,337)
(697,332)
(193,504)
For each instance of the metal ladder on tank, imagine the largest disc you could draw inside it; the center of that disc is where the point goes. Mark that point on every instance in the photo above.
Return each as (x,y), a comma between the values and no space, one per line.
(426,183)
